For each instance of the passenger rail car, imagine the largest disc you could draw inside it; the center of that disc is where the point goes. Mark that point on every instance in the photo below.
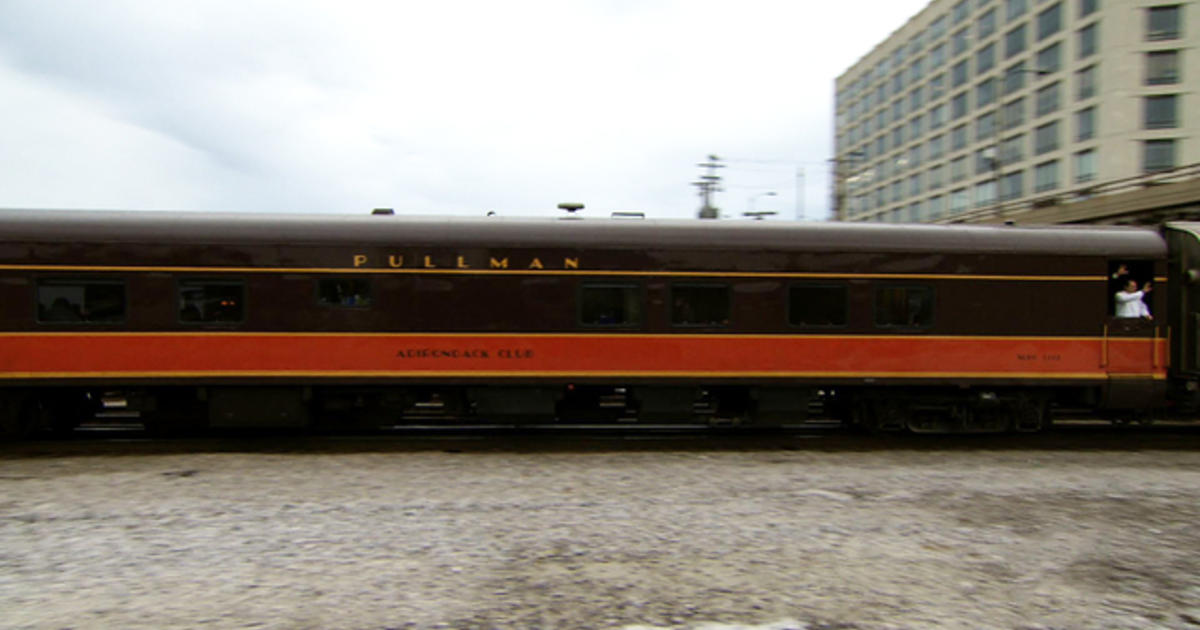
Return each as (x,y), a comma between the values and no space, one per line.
(256,320)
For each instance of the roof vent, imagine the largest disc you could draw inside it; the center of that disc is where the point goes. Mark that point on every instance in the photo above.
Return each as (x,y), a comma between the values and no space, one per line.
(629,215)
(387,211)
(571,209)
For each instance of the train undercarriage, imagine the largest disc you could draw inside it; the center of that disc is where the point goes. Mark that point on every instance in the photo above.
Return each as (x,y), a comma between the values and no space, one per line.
(171,410)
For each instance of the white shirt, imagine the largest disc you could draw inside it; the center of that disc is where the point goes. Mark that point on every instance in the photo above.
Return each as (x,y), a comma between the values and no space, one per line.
(1131,304)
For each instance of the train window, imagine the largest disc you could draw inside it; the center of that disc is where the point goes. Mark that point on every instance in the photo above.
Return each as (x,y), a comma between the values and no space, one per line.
(1128,281)
(610,305)
(904,307)
(349,292)
(700,305)
(817,305)
(202,301)
(80,301)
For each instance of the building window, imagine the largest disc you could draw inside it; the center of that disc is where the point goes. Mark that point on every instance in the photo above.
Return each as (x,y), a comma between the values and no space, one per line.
(817,305)
(937,116)
(985,127)
(1048,99)
(1085,166)
(915,45)
(1011,150)
(80,301)
(937,56)
(1088,7)
(700,305)
(916,98)
(1162,23)
(937,28)
(937,176)
(914,127)
(985,160)
(1162,67)
(961,11)
(1016,8)
(985,193)
(1045,176)
(985,59)
(1049,22)
(1014,42)
(935,146)
(1014,78)
(958,138)
(1012,185)
(986,24)
(937,86)
(985,93)
(1049,59)
(897,191)
(1085,83)
(1045,138)
(348,292)
(914,156)
(959,74)
(1085,124)
(961,40)
(958,169)
(1161,112)
(958,105)
(936,207)
(959,201)
(1158,155)
(903,307)
(1088,39)
(205,301)
(914,185)
(1014,113)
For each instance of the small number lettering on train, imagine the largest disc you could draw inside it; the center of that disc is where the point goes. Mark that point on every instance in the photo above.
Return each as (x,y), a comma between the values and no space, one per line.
(1035,357)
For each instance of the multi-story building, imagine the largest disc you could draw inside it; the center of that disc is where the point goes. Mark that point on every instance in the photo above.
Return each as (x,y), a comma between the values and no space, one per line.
(974,104)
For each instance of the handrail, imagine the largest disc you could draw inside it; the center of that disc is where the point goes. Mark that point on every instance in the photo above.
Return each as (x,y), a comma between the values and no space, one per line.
(1154,349)
(1104,348)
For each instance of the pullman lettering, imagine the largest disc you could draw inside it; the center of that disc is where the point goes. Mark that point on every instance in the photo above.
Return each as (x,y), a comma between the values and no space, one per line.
(431,261)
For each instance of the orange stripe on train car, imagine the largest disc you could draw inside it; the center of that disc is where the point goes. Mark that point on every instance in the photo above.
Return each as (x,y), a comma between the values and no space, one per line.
(54,355)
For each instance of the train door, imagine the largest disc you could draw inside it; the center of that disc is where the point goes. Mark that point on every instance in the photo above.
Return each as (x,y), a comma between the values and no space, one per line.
(1183,297)
(1132,352)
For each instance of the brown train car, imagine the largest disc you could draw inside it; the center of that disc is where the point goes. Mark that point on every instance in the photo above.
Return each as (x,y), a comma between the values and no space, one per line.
(263,320)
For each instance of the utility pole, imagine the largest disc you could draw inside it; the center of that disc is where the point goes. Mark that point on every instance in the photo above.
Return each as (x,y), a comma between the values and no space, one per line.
(708,184)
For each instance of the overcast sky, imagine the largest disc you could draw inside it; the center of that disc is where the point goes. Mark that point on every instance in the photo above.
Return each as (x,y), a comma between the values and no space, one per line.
(430,107)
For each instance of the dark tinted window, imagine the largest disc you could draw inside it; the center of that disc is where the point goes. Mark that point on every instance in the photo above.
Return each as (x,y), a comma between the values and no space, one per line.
(700,305)
(817,305)
(211,301)
(610,305)
(907,306)
(81,301)
(344,292)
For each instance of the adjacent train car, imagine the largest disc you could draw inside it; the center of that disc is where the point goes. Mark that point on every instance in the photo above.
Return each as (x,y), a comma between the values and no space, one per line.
(263,320)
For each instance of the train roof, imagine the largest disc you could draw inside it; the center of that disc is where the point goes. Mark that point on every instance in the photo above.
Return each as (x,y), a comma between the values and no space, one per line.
(265,229)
